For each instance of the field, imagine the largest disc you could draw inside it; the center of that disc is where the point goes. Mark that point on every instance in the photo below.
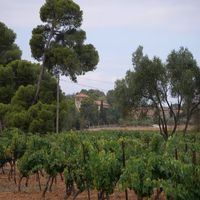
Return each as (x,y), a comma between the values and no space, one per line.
(103,163)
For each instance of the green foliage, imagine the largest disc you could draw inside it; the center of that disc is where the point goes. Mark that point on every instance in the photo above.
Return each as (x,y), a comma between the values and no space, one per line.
(48,90)
(15,74)
(56,160)
(4,108)
(12,146)
(179,79)
(42,118)
(18,119)
(6,84)
(137,176)
(157,144)
(16,96)
(59,43)
(102,114)
(104,168)
(9,51)
(69,117)
(107,159)
(25,73)
(183,72)
(35,157)
(93,94)
(68,13)
(89,111)
(113,112)
(24,96)
(37,42)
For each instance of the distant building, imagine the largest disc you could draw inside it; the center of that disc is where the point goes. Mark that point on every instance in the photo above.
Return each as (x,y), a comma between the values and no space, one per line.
(99,102)
(151,112)
(81,96)
(78,98)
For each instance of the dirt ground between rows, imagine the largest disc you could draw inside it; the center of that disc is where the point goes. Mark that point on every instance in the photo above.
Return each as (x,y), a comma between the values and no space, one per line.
(154,127)
(9,191)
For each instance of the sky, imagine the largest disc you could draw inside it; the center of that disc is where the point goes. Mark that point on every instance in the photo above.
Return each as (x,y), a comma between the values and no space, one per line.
(116,28)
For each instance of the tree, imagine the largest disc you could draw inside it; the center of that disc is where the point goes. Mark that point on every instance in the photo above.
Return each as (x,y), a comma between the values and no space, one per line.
(89,112)
(113,112)
(16,94)
(6,84)
(18,119)
(102,114)
(59,42)
(154,84)
(4,108)
(15,74)
(196,119)
(42,118)
(145,86)
(94,94)
(23,96)
(9,51)
(184,77)
(154,90)
(25,72)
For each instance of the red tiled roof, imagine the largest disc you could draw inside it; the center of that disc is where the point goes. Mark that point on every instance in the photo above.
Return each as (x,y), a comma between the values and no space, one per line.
(98,102)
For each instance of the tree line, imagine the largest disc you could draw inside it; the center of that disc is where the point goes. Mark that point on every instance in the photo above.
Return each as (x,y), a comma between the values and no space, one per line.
(174,85)
(30,96)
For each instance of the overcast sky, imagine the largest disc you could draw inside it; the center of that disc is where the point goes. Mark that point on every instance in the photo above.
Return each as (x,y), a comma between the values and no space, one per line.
(116,28)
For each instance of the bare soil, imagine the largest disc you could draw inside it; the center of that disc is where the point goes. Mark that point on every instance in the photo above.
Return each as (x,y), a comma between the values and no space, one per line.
(9,190)
(154,127)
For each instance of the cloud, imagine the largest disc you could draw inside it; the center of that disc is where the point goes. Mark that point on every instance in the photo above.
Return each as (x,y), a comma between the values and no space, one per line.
(175,15)
(171,15)
(20,13)
(116,28)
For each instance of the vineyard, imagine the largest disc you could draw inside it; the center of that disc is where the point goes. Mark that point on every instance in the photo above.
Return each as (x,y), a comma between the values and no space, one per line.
(104,161)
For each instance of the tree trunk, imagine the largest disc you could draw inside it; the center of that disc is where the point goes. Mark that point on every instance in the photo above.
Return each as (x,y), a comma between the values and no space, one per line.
(124,165)
(27,179)
(38,179)
(2,170)
(176,154)
(86,181)
(76,194)
(57,104)
(139,197)
(1,127)
(50,187)
(100,195)
(19,184)
(38,84)
(186,127)
(10,174)
(14,171)
(186,148)
(188,116)
(194,157)
(42,67)
(107,196)
(46,187)
(88,193)
(69,189)
(61,176)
